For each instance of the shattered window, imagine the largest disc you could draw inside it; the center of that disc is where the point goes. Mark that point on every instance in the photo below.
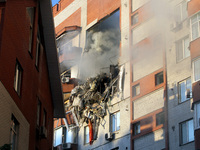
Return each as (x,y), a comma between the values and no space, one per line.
(115,122)
(102,46)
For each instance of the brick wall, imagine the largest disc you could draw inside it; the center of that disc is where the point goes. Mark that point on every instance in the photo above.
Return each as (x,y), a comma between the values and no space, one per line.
(34,82)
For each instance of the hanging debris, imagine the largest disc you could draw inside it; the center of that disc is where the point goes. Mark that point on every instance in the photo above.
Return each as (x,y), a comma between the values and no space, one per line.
(88,102)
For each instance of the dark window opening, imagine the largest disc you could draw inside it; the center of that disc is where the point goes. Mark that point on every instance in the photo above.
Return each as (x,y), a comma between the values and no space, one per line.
(160,118)
(136,128)
(18,78)
(159,78)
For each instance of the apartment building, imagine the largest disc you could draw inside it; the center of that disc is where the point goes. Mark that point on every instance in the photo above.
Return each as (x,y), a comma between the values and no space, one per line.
(82,29)
(30,86)
(158,47)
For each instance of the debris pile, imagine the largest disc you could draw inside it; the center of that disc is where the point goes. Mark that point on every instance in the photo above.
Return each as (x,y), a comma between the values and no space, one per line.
(88,102)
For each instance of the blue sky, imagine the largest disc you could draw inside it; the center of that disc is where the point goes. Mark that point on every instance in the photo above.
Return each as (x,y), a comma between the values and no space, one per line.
(54,2)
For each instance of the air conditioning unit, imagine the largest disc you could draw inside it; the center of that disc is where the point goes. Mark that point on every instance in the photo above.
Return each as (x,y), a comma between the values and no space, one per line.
(43,132)
(65,79)
(66,146)
(109,136)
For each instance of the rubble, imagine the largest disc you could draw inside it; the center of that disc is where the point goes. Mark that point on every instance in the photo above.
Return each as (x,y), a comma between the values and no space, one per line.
(88,101)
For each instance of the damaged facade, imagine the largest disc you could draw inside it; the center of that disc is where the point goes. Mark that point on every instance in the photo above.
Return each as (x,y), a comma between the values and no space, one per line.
(136,70)
(97,100)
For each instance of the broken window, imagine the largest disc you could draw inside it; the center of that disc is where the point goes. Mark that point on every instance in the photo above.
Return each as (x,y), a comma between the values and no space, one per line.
(18,78)
(102,46)
(115,122)
(136,90)
(159,78)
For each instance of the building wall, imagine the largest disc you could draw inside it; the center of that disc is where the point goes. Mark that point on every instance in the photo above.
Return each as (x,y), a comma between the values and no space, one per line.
(35,82)
(7,108)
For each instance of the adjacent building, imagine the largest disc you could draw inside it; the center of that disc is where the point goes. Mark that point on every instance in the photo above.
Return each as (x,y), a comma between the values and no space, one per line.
(30,86)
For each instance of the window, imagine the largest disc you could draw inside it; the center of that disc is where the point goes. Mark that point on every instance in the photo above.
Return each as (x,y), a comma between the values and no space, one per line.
(115,122)
(37,53)
(134,19)
(197,115)
(185,90)
(30,12)
(181,11)
(159,78)
(38,112)
(187,132)
(160,118)
(18,78)
(196,68)
(44,118)
(136,128)
(58,133)
(136,90)
(182,49)
(195,20)
(86,135)
(14,132)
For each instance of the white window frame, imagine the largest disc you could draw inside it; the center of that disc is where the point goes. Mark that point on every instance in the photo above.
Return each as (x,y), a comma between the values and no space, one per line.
(196,118)
(198,21)
(193,71)
(179,94)
(181,11)
(183,48)
(114,118)
(187,132)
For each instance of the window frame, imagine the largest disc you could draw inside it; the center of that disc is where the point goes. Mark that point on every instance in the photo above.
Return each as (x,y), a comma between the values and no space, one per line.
(162,115)
(193,71)
(14,129)
(179,93)
(198,22)
(135,17)
(183,48)
(18,78)
(187,128)
(181,11)
(156,75)
(196,116)
(31,28)
(113,117)
(137,124)
(134,90)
